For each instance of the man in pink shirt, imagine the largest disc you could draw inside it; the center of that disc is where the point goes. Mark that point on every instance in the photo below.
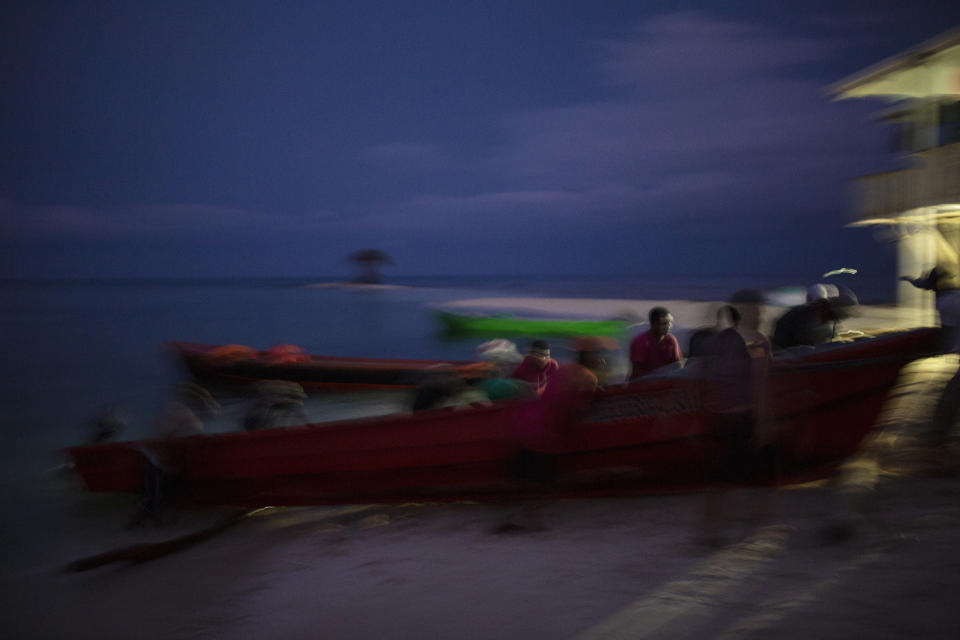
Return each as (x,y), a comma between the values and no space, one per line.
(655,348)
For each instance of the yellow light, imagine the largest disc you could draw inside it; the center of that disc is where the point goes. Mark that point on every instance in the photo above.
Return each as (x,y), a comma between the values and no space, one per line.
(836,272)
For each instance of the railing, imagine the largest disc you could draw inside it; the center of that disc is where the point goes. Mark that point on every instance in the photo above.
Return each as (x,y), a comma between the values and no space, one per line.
(934,180)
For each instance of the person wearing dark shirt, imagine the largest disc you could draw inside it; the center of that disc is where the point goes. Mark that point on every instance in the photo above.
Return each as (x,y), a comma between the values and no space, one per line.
(946,287)
(736,369)
(808,324)
(702,339)
(815,322)
(654,348)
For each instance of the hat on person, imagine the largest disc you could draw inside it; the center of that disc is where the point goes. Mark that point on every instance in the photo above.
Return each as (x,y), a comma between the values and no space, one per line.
(816,292)
(499,351)
(541,347)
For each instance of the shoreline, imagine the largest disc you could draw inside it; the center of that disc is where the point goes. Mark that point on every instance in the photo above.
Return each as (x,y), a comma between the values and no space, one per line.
(360,286)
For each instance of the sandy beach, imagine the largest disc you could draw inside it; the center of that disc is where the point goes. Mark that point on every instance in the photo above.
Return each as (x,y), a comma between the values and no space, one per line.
(611,568)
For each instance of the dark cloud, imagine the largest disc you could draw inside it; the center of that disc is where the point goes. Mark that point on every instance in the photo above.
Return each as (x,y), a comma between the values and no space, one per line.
(149,220)
(196,141)
(710,121)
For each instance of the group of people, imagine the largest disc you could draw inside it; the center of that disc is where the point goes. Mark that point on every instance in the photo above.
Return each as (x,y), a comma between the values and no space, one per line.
(733,354)
(510,375)
(809,324)
(814,322)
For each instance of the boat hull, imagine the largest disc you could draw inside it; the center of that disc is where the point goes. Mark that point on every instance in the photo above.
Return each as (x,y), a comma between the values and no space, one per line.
(318,372)
(653,435)
(459,324)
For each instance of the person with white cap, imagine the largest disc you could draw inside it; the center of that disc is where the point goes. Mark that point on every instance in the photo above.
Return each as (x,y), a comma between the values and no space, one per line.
(504,356)
(814,322)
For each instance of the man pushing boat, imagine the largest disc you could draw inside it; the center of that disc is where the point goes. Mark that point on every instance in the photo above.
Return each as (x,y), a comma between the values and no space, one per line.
(544,429)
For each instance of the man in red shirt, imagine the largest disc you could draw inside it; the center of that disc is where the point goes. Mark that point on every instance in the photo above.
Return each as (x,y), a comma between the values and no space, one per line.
(537,367)
(544,429)
(655,348)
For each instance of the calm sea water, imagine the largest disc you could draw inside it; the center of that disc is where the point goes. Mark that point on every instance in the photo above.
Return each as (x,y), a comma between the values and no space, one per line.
(69,347)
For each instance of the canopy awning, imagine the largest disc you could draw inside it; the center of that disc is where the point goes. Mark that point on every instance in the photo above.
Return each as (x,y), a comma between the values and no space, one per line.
(948,212)
(931,70)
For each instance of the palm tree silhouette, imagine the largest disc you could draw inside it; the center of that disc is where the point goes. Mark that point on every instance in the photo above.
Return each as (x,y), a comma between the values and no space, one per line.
(369,262)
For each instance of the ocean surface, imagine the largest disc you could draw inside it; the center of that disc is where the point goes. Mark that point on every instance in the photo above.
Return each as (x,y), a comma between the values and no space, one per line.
(71,347)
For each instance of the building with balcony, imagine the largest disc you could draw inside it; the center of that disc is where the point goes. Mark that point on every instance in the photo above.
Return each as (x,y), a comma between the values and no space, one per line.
(919,203)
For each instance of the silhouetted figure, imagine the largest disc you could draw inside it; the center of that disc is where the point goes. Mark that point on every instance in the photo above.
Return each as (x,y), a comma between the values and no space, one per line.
(442,386)
(183,415)
(814,322)
(737,370)
(944,285)
(437,387)
(702,339)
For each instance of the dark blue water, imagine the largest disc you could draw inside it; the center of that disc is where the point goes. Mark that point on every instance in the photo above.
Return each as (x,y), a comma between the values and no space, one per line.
(69,347)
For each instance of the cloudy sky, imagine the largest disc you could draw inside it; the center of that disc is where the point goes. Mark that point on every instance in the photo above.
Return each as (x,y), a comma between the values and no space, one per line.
(551,137)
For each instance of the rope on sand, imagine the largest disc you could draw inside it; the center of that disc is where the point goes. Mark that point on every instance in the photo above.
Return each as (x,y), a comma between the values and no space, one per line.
(140,553)
(145,552)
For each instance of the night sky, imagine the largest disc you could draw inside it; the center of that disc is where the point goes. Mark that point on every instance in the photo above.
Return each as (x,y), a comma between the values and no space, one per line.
(552,137)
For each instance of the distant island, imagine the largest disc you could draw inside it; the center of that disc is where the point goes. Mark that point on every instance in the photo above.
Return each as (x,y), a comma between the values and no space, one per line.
(367,286)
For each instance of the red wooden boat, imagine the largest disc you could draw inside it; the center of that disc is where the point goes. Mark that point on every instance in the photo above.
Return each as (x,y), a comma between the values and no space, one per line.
(239,365)
(650,435)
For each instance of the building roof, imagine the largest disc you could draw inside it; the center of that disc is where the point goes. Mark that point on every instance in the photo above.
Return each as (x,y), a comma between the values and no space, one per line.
(931,69)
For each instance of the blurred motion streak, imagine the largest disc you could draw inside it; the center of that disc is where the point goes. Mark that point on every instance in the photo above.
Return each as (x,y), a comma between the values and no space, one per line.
(919,204)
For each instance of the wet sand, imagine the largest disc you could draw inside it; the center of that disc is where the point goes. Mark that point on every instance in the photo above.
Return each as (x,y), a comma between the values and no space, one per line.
(871,553)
